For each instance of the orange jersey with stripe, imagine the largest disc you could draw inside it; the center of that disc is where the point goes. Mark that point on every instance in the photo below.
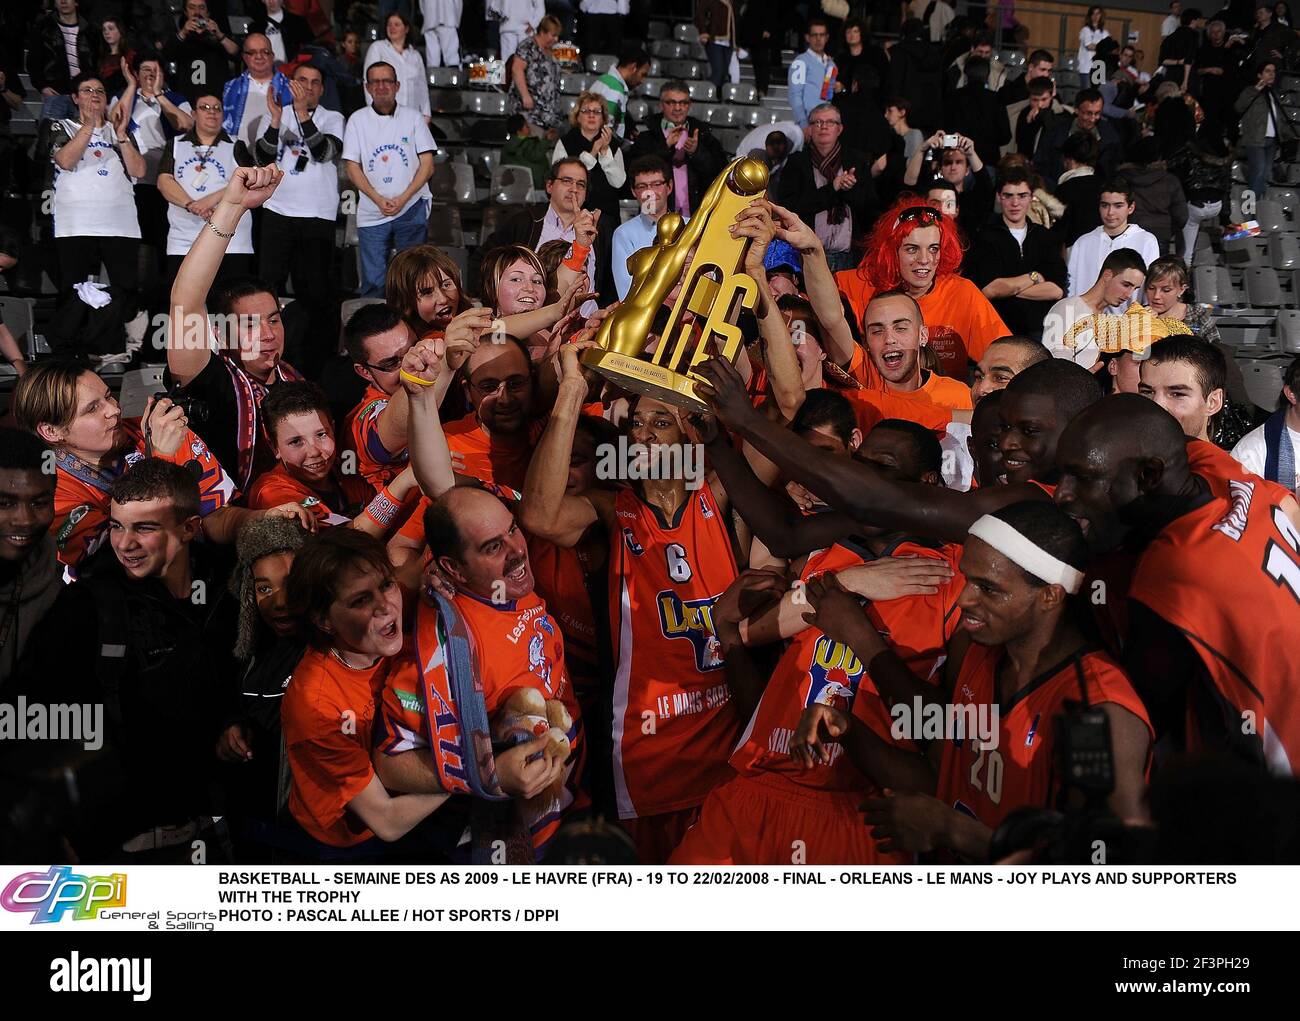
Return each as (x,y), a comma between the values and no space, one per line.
(817,669)
(347,497)
(674,724)
(960,321)
(330,762)
(561,581)
(375,463)
(81,492)
(989,783)
(1227,575)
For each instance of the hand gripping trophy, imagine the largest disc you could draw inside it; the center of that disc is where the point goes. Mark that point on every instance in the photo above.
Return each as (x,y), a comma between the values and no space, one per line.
(707,261)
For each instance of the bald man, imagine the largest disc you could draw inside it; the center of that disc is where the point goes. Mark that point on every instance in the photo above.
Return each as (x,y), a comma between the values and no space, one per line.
(1213,604)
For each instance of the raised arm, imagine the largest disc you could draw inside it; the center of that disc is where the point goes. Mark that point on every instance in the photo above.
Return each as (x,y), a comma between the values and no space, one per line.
(430,455)
(755,223)
(819,282)
(249,187)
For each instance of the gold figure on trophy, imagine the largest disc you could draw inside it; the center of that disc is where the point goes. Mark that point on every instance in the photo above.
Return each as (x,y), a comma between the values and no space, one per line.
(708,262)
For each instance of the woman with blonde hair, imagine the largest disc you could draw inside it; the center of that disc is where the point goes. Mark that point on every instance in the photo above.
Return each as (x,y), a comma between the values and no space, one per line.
(513,281)
(591,139)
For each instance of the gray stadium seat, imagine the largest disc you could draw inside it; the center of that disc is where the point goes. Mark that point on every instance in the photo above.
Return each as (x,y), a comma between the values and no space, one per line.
(1284,251)
(1270,216)
(493,216)
(448,77)
(1287,198)
(445,225)
(743,92)
(487,104)
(599,63)
(574,84)
(688,70)
(510,184)
(650,87)
(1228,292)
(1262,287)
(658,30)
(637,109)
(702,91)
(1288,330)
(464,175)
(1263,379)
(1205,285)
(685,32)
(239,24)
(669,49)
(20,316)
(138,386)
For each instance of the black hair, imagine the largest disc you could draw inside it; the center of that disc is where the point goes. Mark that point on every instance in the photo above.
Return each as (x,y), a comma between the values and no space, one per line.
(926,452)
(1121,259)
(829,408)
(224,298)
(155,479)
(1207,361)
(1081,148)
(1071,387)
(297,397)
(366,322)
(22,451)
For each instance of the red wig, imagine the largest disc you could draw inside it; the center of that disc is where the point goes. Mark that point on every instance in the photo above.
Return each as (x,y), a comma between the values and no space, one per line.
(879,266)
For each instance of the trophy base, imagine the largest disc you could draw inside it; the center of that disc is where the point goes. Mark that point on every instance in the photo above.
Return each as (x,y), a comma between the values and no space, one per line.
(645,378)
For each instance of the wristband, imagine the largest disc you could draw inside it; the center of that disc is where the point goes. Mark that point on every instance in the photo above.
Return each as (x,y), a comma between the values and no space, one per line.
(383,509)
(403,374)
(577,257)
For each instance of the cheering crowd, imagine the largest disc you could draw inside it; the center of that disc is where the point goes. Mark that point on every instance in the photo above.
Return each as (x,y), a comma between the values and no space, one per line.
(976,548)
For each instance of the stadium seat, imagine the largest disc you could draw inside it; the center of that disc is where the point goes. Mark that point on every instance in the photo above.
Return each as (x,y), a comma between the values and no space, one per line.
(656,69)
(1013,58)
(1288,330)
(488,131)
(1284,251)
(778,90)
(627,208)
(239,24)
(1229,294)
(575,84)
(685,32)
(138,385)
(487,104)
(705,112)
(1262,287)
(599,63)
(460,256)
(658,30)
(1270,216)
(484,161)
(1263,380)
(448,78)
(1287,198)
(728,116)
(448,100)
(637,109)
(567,103)
(702,92)
(446,130)
(687,70)
(442,183)
(1069,62)
(668,49)
(20,316)
(1205,285)
(445,225)
(650,87)
(464,176)
(510,184)
(742,92)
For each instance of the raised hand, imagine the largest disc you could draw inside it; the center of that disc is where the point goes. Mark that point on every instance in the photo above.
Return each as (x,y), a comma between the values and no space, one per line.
(895,577)
(792,230)
(464,333)
(723,389)
(423,362)
(251,186)
(755,222)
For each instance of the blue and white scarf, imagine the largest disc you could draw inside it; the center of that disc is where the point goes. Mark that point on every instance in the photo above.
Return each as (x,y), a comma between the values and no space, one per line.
(235,95)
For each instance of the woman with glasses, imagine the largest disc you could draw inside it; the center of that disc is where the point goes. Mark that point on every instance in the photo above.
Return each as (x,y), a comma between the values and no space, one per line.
(192,177)
(413,86)
(591,139)
(535,79)
(95,167)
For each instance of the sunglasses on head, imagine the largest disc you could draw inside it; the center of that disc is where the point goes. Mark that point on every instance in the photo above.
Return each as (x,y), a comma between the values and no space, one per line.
(927,215)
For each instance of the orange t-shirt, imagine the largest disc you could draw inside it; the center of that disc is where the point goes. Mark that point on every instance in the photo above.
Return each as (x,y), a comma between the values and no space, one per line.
(990,783)
(375,463)
(328,716)
(1227,575)
(350,495)
(960,321)
(674,721)
(931,405)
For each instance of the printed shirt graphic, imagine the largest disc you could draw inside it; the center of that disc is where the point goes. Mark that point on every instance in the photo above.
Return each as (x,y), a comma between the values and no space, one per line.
(960,321)
(308,188)
(672,705)
(388,149)
(201,171)
(816,669)
(1243,624)
(990,783)
(81,495)
(96,198)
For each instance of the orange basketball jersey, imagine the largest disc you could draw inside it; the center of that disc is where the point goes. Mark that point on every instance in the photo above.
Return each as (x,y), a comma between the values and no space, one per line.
(375,463)
(1227,575)
(1019,770)
(674,725)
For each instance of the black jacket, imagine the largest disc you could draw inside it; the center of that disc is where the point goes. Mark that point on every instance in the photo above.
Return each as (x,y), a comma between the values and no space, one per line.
(293,27)
(1048,156)
(701,169)
(1082,198)
(797,189)
(47,59)
(916,71)
(526,227)
(215,64)
(996,254)
(979,115)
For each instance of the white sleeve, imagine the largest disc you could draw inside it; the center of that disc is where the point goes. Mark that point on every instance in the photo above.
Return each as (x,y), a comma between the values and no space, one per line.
(620,251)
(612,164)
(1250,450)
(352,140)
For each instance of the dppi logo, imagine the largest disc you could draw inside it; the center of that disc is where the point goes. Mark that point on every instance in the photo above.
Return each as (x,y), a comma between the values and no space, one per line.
(833,675)
(50,894)
(691,619)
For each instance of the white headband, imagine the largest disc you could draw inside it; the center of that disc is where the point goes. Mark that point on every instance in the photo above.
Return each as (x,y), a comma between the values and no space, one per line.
(1023,553)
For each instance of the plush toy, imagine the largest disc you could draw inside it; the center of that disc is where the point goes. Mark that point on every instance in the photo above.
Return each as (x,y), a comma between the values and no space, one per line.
(527,714)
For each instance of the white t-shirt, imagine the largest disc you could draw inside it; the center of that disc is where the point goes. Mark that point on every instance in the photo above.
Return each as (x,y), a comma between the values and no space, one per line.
(254,111)
(1251,451)
(202,170)
(1020,233)
(388,149)
(1060,318)
(958,465)
(275,33)
(1090,251)
(411,73)
(150,131)
(314,190)
(95,198)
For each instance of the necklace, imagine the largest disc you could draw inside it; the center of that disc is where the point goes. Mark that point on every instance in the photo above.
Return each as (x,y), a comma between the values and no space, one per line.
(339,656)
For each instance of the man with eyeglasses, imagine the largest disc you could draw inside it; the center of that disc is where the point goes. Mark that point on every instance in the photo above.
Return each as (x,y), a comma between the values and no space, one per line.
(652,187)
(829,187)
(685,144)
(245,98)
(564,219)
(305,141)
(376,339)
(812,75)
(388,155)
(201,49)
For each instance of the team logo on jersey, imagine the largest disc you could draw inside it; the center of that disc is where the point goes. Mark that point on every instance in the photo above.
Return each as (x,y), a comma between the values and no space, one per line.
(833,675)
(538,661)
(634,547)
(706,511)
(76,514)
(691,619)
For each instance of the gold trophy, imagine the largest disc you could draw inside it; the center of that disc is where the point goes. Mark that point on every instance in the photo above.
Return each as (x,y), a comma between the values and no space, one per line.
(708,262)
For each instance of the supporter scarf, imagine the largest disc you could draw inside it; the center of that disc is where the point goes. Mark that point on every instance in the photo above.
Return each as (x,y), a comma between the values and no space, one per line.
(248,394)
(461,745)
(1279,454)
(235,97)
(828,166)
